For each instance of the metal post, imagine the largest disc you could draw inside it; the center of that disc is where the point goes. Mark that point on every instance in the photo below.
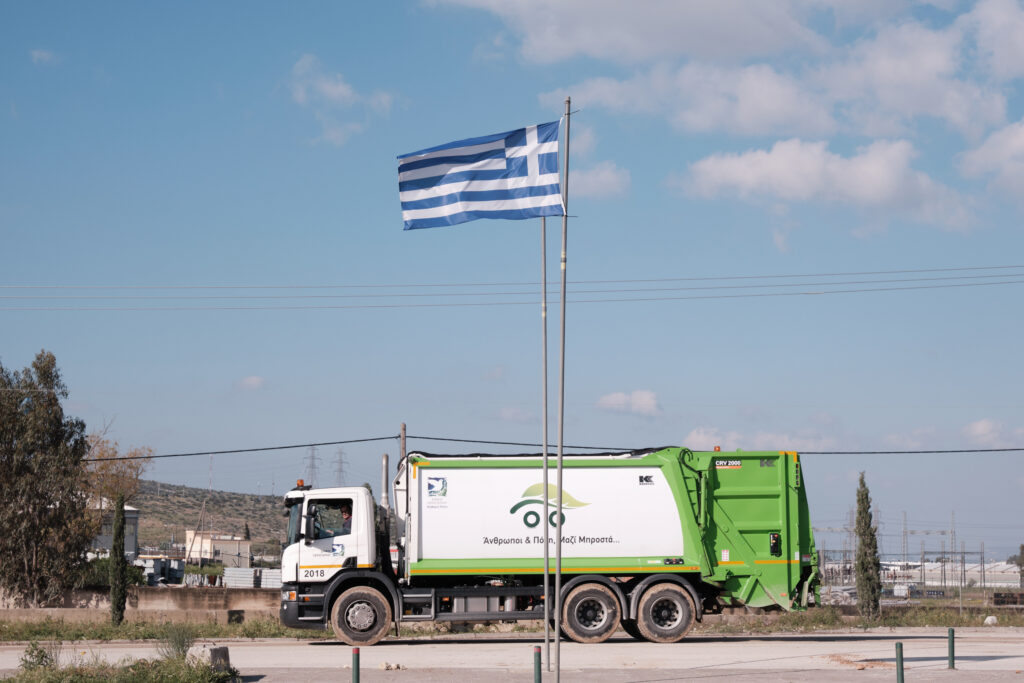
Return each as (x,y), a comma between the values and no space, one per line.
(355,665)
(952,657)
(899,662)
(544,440)
(536,664)
(561,407)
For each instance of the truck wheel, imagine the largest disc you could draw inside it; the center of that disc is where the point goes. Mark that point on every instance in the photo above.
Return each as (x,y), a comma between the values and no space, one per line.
(590,613)
(360,616)
(630,627)
(665,613)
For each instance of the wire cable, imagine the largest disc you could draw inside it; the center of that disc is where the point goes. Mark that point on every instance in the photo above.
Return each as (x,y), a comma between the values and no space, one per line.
(502,303)
(524,284)
(240,450)
(248,297)
(521,443)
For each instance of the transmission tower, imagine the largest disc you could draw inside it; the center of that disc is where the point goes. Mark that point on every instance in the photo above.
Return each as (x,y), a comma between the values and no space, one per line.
(312,467)
(339,467)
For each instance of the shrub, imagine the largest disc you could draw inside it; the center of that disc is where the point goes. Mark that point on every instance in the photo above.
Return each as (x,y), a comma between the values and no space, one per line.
(176,641)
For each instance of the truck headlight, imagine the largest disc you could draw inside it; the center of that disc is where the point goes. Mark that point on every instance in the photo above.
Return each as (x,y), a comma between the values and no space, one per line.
(288,596)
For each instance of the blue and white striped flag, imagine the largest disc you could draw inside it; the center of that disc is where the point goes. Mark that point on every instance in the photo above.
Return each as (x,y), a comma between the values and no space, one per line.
(505,175)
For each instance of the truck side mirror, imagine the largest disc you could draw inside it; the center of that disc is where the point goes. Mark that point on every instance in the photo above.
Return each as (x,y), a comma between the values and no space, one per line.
(309,532)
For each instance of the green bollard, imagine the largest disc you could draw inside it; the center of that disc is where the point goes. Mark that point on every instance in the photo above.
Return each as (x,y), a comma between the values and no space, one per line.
(355,665)
(899,662)
(952,657)
(536,664)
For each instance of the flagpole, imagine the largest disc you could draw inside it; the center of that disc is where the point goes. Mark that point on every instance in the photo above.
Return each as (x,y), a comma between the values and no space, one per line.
(544,440)
(561,409)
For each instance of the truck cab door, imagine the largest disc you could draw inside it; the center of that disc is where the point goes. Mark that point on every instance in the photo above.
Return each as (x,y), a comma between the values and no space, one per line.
(328,538)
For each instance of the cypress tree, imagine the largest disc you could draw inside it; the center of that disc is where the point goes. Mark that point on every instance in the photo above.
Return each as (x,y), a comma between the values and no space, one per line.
(118,566)
(868,566)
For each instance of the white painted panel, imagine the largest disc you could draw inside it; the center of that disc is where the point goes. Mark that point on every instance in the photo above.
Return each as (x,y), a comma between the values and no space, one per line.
(609,512)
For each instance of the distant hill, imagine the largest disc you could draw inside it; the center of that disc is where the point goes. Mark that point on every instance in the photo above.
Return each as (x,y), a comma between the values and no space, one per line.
(169,508)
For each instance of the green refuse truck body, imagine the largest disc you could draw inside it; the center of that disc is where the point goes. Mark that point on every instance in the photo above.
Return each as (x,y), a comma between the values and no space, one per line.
(651,540)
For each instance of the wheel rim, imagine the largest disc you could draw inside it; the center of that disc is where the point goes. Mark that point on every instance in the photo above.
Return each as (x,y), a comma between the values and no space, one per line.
(666,613)
(591,614)
(360,616)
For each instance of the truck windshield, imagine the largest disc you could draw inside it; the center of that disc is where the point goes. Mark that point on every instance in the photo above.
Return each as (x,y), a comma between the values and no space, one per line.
(294,519)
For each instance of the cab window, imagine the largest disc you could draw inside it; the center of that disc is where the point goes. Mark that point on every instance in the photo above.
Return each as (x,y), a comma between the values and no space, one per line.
(332,517)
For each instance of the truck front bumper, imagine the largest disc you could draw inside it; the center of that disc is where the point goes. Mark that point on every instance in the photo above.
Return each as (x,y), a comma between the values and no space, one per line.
(298,611)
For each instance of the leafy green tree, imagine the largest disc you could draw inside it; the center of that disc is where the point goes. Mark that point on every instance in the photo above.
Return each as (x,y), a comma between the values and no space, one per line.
(868,566)
(43,508)
(118,566)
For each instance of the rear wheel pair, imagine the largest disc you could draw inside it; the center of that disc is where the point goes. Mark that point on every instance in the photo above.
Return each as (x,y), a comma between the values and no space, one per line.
(591,613)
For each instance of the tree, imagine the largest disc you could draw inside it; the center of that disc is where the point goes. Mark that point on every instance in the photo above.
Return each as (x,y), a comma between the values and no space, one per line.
(46,531)
(118,566)
(868,566)
(248,536)
(111,472)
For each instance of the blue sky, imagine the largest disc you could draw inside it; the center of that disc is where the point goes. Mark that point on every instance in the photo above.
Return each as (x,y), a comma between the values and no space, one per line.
(248,150)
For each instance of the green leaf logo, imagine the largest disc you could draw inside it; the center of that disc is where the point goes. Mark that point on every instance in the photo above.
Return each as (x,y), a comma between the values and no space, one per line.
(567,500)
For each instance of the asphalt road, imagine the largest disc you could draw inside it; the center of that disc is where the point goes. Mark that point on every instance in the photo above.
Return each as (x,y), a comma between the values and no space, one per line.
(981,654)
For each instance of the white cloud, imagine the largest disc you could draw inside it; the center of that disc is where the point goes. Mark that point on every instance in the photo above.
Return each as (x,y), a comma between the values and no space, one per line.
(907,71)
(639,402)
(999,27)
(1000,156)
(602,180)
(706,438)
(252,383)
(878,177)
(43,57)
(333,101)
(653,29)
(495,374)
(516,415)
(877,86)
(697,97)
(989,433)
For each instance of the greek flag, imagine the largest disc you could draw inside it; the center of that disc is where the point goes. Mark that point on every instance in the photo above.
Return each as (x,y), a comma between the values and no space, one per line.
(505,175)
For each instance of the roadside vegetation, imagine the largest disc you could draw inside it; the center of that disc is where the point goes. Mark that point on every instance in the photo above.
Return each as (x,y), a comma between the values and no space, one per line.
(51,661)
(59,630)
(815,619)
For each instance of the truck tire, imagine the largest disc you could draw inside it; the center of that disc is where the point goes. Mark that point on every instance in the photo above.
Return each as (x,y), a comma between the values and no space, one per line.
(665,613)
(590,613)
(360,616)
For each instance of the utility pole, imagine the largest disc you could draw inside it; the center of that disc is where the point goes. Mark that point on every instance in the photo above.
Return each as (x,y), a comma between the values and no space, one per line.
(339,467)
(313,467)
(905,549)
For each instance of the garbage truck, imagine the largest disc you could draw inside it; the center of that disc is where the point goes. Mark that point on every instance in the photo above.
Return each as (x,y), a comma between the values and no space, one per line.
(651,540)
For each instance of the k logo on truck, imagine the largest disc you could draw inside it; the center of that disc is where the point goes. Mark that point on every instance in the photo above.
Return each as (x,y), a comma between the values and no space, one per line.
(534,495)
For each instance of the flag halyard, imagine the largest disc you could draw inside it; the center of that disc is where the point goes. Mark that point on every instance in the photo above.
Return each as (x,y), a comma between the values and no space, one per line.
(511,175)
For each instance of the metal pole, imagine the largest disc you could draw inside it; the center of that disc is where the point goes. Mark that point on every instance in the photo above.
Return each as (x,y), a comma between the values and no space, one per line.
(536,664)
(899,662)
(561,408)
(544,440)
(355,665)
(952,657)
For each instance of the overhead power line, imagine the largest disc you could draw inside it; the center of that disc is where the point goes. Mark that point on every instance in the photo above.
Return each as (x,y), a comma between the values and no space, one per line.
(503,303)
(257,297)
(516,284)
(517,443)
